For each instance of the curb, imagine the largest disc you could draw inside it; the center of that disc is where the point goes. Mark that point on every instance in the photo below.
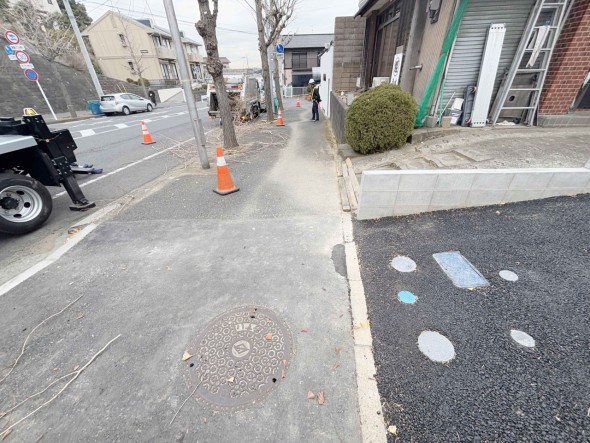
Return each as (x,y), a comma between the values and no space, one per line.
(370,411)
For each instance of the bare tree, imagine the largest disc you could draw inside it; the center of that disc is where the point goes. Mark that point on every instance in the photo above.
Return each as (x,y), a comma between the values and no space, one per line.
(206,28)
(272,16)
(137,66)
(43,33)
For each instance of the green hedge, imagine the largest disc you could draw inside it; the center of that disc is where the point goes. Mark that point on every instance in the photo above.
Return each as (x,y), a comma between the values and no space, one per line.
(380,119)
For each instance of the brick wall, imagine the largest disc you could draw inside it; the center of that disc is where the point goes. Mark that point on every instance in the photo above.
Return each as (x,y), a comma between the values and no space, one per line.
(570,62)
(349,37)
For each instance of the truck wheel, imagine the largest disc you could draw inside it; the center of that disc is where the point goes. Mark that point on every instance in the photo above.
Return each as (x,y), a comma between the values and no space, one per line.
(25,204)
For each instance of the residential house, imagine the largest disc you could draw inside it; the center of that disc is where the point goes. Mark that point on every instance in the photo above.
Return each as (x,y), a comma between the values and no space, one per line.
(127,48)
(434,49)
(301,56)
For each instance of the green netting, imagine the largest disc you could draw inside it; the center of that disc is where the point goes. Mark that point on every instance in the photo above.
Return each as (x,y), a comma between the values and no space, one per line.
(440,65)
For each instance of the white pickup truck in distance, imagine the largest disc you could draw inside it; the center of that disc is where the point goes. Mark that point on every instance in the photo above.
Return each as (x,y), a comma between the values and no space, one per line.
(244,95)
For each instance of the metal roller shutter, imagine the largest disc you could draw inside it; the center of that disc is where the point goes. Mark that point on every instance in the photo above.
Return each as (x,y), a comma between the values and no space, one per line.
(467,53)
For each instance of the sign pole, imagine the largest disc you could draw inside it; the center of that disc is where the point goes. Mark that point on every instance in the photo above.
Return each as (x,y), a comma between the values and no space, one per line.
(46,101)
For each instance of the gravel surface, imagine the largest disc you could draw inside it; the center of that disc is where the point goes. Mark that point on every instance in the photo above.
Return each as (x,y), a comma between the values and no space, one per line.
(494,390)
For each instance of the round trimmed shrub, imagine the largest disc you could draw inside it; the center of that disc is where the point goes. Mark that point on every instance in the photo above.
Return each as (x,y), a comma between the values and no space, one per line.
(380,119)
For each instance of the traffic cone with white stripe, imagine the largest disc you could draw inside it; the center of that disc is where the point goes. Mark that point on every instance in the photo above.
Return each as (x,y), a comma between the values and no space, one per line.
(280,118)
(147,138)
(225,184)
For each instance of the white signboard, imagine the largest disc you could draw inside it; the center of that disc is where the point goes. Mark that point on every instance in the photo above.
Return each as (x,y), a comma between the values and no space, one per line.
(27,66)
(18,47)
(397,67)
(12,57)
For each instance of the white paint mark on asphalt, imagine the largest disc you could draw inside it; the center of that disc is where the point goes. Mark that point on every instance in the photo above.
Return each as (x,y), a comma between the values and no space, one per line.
(403,264)
(508,275)
(53,257)
(116,171)
(436,346)
(522,338)
(121,125)
(86,132)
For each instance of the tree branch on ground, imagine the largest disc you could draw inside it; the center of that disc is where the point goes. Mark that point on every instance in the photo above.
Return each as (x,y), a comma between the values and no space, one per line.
(22,352)
(4,432)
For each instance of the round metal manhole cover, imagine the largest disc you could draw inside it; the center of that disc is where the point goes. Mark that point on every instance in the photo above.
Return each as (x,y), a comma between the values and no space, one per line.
(239,357)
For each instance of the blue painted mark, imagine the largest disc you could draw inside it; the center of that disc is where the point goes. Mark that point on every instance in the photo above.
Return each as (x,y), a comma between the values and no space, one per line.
(407,297)
(462,273)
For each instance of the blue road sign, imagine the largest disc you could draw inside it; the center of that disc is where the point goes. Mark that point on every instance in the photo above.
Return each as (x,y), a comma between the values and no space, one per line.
(9,50)
(280,48)
(31,75)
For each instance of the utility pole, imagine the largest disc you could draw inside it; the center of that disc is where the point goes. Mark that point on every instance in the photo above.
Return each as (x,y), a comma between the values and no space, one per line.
(186,84)
(83,48)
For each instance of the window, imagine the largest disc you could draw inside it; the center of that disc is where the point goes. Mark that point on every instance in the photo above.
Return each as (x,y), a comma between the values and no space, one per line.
(165,70)
(123,41)
(157,41)
(131,67)
(50,2)
(299,60)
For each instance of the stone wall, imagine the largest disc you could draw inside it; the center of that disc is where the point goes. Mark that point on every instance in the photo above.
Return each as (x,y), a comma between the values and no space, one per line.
(17,92)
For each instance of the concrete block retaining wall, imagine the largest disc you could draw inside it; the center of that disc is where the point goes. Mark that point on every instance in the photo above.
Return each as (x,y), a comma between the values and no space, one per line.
(402,192)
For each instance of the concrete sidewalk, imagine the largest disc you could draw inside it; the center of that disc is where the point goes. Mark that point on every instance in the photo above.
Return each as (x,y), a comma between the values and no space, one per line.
(252,285)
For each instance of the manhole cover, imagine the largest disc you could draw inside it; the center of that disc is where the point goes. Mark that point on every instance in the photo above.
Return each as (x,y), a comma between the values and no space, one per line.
(239,357)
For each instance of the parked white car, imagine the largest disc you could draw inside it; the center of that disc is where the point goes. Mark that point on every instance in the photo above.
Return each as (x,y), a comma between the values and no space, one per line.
(124,103)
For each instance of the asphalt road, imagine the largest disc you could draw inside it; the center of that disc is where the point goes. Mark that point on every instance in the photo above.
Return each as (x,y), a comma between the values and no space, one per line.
(159,272)
(113,144)
(494,389)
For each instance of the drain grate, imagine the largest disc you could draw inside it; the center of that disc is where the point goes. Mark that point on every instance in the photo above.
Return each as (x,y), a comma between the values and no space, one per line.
(239,357)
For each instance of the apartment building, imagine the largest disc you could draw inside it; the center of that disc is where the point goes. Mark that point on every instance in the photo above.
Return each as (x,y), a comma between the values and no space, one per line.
(127,48)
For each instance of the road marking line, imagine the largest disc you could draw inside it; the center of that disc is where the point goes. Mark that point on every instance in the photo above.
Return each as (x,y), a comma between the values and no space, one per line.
(86,132)
(121,125)
(51,258)
(116,171)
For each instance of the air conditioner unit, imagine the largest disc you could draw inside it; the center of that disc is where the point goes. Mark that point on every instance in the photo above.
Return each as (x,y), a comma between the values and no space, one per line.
(379,81)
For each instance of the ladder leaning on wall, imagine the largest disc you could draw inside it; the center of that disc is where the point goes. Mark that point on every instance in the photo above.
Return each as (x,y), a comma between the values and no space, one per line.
(532,58)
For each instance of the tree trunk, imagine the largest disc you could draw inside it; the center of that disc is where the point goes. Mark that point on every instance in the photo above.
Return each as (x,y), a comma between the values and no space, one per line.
(206,29)
(142,83)
(263,48)
(64,91)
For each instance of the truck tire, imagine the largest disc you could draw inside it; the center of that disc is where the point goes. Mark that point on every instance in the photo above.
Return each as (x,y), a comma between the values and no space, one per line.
(25,204)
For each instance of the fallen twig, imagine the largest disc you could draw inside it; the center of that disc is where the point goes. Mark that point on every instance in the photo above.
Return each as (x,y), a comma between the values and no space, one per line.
(185,400)
(31,333)
(76,375)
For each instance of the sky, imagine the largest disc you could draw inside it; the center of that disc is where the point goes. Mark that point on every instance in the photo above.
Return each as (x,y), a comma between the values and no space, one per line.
(236,22)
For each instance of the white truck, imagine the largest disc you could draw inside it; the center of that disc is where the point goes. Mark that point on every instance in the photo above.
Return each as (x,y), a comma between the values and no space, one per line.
(244,94)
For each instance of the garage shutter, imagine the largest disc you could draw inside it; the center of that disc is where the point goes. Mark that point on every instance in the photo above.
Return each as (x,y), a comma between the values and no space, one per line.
(469,44)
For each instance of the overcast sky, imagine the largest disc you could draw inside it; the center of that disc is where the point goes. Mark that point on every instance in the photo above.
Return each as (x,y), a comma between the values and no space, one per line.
(237,36)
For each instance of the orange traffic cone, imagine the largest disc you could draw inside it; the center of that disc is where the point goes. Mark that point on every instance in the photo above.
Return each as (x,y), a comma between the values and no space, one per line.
(225,184)
(297,104)
(280,118)
(147,138)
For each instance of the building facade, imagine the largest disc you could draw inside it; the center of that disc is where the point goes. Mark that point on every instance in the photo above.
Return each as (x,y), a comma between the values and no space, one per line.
(301,56)
(127,48)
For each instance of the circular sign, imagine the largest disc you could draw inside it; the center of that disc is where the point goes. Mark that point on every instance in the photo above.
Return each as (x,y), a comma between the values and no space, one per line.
(280,48)
(12,37)
(31,75)
(22,56)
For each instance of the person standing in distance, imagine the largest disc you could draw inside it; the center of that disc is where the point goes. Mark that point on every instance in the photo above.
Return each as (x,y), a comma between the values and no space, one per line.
(315,100)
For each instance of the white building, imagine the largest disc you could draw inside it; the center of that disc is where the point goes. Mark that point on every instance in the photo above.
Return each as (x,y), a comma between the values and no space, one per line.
(326,73)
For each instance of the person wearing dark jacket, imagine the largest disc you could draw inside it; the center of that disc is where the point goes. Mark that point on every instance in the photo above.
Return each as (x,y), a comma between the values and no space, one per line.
(315,100)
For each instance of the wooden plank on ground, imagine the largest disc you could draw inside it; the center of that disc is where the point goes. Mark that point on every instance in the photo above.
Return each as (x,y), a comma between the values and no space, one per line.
(355,183)
(338,170)
(343,195)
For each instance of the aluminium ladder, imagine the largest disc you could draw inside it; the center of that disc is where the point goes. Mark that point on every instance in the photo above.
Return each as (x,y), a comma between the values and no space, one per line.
(558,11)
